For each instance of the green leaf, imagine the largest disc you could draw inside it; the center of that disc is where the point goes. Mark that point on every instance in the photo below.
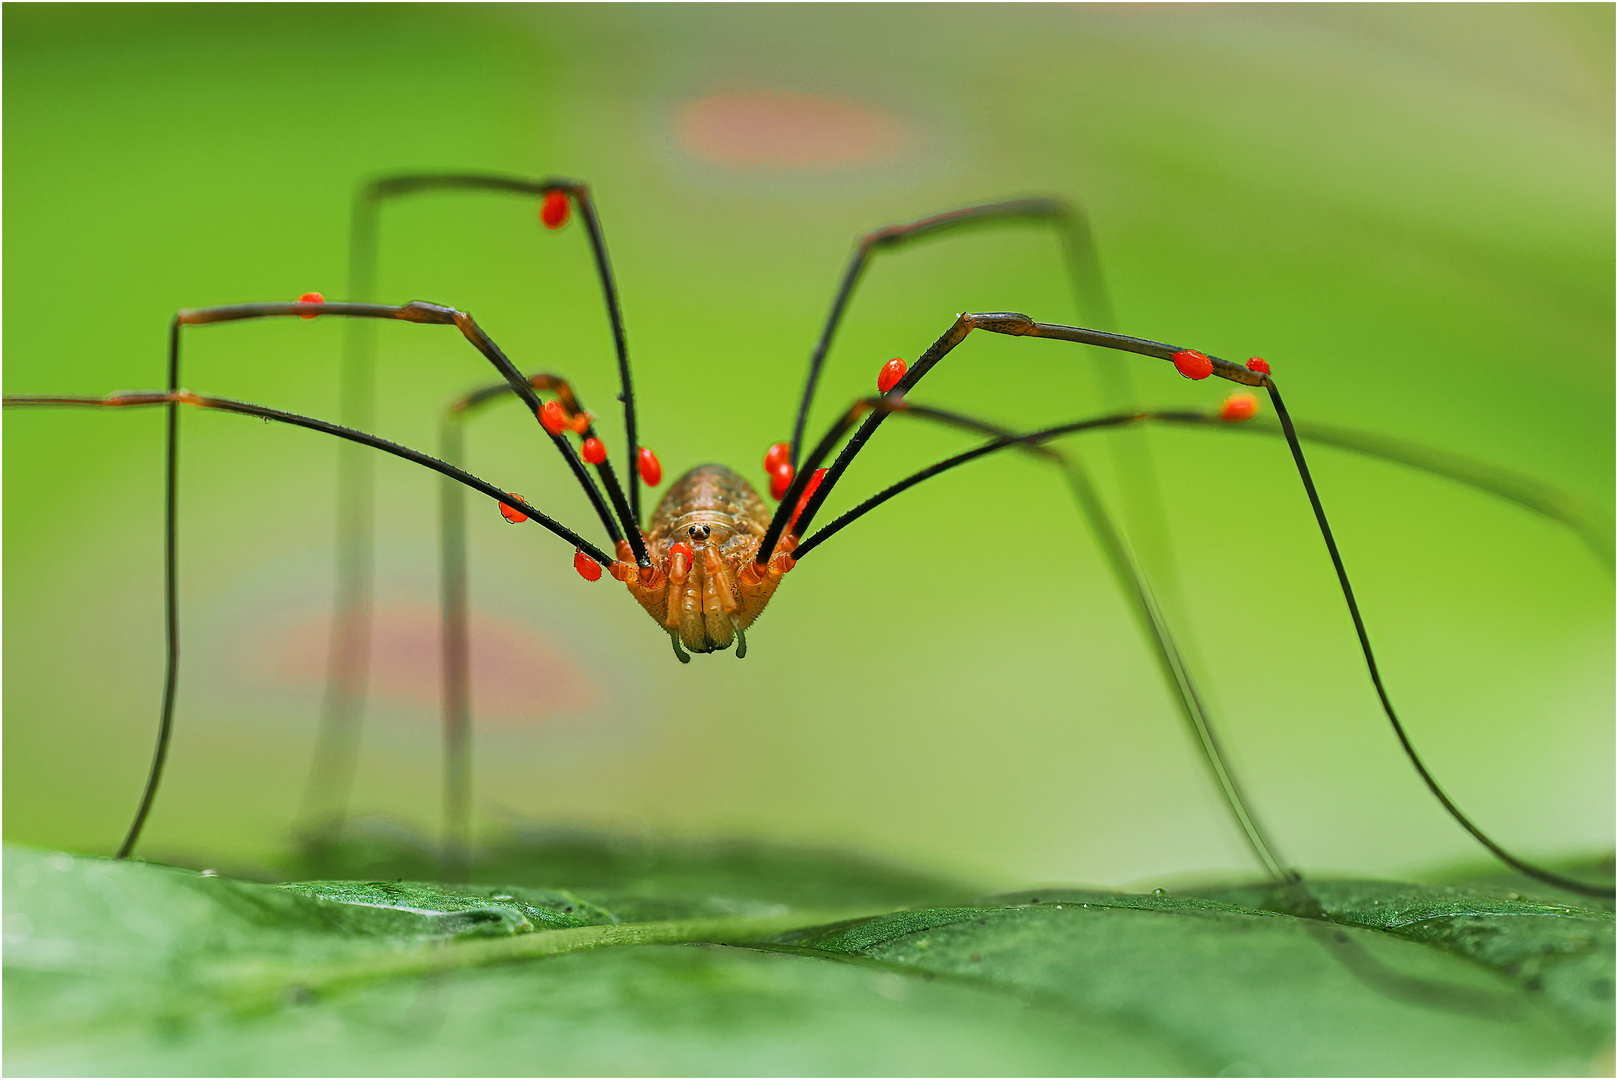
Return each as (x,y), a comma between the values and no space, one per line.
(119,967)
(1556,949)
(641,878)
(1256,991)
(472,911)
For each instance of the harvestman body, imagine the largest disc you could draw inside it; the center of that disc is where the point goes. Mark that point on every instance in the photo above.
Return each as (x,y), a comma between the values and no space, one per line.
(713,553)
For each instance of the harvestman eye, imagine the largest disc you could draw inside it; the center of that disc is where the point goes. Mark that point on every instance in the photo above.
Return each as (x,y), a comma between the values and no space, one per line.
(705,600)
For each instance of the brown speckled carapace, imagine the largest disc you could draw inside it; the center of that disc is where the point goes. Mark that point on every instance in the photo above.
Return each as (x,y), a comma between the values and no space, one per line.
(703,585)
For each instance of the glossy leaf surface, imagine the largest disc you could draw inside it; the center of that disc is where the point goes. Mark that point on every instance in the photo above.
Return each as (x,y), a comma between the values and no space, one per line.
(138,968)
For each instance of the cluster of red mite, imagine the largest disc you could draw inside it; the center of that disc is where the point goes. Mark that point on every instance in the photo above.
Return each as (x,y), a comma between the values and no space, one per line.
(554,211)
(1237,407)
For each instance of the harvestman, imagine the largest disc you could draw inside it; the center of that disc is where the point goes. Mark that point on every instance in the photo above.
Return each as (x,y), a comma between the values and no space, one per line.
(713,554)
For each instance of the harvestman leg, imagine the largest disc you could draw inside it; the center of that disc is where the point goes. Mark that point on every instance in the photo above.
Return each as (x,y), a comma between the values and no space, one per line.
(455,649)
(185,397)
(1504,484)
(1071,228)
(1593,528)
(1293,896)
(1137,592)
(1019,325)
(456,643)
(1137,478)
(1584,522)
(1132,463)
(1587,523)
(348,663)
(417,312)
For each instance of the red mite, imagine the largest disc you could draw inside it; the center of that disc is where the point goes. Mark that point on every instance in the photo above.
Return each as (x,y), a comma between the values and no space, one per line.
(554,209)
(516,517)
(311,298)
(780,480)
(651,469)
(1259,364)
(1238,407)
(552,418)
(803,500)
(594,451)
(1192,364)
(891,373)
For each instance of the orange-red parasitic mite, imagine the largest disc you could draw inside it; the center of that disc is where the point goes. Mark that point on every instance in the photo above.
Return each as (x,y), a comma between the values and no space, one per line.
(311,298)
(778,453)
(1192,364)
(594,451)
(651,469)
(1238,407)
(780,479)
(891,373)
(1259,364)
(680,556)
(554,209)
(511,514)
(552,419)
(588,568)
(580,422)
(803,500)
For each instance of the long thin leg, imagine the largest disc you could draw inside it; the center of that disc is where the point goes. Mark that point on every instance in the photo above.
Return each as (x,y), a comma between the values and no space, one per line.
(457,663)
(387,446)
(454,610)
(1593,527)
(1530,494)
(1586,522)
(367,207)
(1132,463)
(171,605)
(1137,478)
(348,657)
(1069,223)
(1002,440)
(418,311)
(1376,675)
(1203,365)
(174,398)
(1012,323)
(348,664)
(1131,581)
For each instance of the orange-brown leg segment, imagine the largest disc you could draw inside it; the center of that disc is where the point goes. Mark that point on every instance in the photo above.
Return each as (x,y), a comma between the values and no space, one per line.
(680,599)
(656,592)
(757,582)
(720,608)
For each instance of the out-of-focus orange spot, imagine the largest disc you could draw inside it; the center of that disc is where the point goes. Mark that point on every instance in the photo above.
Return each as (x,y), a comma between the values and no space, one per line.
(518,678)
(785,131)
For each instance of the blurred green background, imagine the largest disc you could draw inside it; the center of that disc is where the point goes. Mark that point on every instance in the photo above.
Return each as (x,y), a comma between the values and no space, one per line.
(1407,209)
